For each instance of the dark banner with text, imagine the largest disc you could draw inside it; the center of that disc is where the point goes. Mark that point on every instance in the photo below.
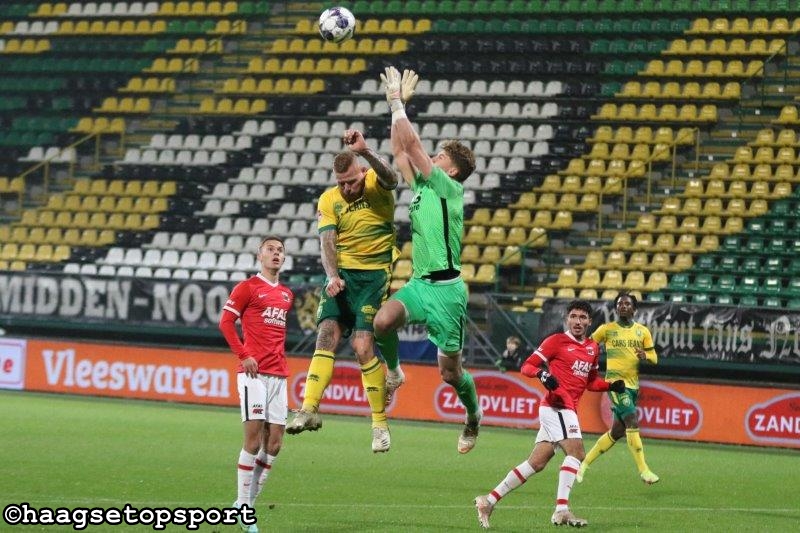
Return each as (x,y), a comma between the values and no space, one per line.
(132,301)
(723,334)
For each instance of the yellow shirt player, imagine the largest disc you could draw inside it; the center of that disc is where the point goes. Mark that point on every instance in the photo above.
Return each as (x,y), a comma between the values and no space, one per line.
(365,236)
(357,241)
(627,343)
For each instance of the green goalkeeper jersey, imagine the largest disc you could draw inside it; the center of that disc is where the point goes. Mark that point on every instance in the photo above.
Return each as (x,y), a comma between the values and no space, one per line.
(437,224)
(620,343)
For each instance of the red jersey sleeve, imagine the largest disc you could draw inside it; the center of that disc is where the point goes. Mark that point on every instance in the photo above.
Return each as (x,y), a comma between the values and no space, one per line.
(231,312)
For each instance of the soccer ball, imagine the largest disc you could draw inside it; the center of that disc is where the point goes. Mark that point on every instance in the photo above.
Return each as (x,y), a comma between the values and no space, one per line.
(337,24)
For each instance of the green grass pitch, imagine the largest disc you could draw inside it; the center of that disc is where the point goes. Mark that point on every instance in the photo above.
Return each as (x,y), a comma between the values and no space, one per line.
(62,451)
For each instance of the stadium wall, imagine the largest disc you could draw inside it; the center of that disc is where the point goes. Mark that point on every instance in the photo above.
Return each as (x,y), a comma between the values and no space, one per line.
(668,409)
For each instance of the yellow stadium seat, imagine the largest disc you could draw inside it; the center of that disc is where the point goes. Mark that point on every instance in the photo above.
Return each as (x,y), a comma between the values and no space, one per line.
(517,236)
(740,25)
(486,274)
(634,281)
(496,235)
(527,200)
(612,279)
(602,134)
(708,243)
(589,278)
(567,277)
(537,237)
(615,259)
(677,47)
(700,25)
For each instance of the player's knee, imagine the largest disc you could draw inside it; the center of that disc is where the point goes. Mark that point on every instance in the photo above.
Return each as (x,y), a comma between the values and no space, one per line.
(450,376)
(381,324)
(390,317)
(362,349)
(251,445)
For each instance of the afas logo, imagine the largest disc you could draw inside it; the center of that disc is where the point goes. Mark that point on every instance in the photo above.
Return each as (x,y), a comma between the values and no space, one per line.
(504,400)
(663,411)
(776,421)
(345,393)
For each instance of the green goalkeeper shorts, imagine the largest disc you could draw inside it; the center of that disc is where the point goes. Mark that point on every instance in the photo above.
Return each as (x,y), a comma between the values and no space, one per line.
(441,306)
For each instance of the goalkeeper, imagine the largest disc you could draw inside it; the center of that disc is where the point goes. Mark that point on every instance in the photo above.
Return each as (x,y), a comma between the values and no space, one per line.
(626,343)
(571,361)
(436,295)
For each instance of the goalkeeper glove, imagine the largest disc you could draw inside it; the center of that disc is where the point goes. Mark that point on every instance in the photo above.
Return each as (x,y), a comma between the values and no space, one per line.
(617,386)
(392,84)
(547,379)
(407,85)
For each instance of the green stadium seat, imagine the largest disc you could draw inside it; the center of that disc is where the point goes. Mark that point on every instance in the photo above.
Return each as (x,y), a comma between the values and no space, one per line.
(731,244)
(483,7)
(701,298)
(748,300)
(773,265)
(547,26)
(776,246)
(726,284)
(679,282)
(654,296)
(607,6)
(778,226)
(443,7)
(702,283)
(706,263)
(461,7)
(772,286)
(773,302)
(793,304)
(751,264)
(567,26)
(793,289)
(760,6)
(392,7)
(518,7)
(413,7)
(724,299)
(748,285)
(678,297)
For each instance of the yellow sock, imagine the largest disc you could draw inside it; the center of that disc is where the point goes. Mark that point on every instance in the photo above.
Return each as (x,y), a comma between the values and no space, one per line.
(636,448)
(603,444)
(375,386)
(320,372)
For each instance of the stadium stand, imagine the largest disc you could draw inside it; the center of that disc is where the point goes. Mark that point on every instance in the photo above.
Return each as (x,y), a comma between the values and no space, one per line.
(619,144)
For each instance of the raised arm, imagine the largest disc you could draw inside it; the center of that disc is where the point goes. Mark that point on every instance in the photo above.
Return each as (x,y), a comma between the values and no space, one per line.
(407,147)
(387,177)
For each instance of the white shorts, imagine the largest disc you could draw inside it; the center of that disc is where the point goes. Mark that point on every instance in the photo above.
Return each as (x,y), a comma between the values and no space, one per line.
(557,425)
(263,398)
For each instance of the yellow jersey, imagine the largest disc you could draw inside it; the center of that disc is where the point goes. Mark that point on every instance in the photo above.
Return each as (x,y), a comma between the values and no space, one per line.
(620,343)
(365,234)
